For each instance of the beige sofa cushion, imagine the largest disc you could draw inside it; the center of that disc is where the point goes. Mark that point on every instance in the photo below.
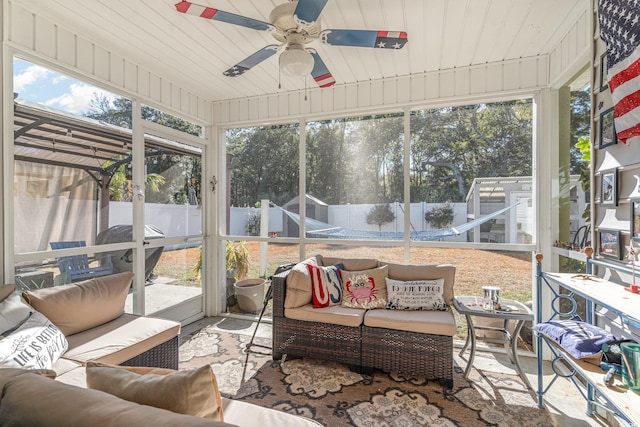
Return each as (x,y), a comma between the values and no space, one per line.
(77,307)
(426,272)
(121,339)
(334,314)
(299,284)
(6,290)
(426,322)
(32,400)
(192,392)
(350,264)
(249,415)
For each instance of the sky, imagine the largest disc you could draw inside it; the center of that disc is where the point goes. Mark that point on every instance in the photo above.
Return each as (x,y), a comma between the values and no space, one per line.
(42,85)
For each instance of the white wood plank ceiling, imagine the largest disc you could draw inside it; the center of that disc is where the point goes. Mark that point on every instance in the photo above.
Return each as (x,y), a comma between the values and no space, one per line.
(194,52)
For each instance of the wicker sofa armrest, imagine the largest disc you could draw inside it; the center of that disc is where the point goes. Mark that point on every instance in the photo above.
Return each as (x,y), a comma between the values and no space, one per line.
(279,289)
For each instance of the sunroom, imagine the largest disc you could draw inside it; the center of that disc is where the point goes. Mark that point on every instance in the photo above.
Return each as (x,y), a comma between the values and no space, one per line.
(481,89)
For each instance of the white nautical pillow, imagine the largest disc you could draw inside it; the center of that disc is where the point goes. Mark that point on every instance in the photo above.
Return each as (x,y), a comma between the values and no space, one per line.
(36,344)
(415,295)
(13,311)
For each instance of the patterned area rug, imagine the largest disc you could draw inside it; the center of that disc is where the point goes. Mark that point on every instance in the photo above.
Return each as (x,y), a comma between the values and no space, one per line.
(333,395)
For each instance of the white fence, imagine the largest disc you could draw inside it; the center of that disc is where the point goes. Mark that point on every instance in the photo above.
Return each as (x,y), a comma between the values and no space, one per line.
(354,217)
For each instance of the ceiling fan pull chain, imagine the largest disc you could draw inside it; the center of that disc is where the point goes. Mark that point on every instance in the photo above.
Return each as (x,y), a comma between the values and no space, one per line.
(305,88)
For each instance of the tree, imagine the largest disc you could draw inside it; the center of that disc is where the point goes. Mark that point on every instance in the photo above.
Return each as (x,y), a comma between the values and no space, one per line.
(380,214)
(170,175)
(440,217)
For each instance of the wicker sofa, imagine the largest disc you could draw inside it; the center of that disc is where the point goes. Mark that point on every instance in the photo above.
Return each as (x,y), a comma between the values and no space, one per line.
(412,342)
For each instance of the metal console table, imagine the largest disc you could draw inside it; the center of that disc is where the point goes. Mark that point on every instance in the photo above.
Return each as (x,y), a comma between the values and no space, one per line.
(618,400)
(471,306)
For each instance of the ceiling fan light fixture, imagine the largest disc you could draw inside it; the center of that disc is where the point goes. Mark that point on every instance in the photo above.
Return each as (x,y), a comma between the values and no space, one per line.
(295,61)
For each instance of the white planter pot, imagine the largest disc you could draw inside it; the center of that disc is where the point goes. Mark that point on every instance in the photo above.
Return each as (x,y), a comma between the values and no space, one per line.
(250,294)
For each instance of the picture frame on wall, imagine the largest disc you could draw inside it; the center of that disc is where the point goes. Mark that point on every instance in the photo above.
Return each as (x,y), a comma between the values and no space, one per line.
(609,188)
(609,244)
(635,219)
(604,84)
(606,129)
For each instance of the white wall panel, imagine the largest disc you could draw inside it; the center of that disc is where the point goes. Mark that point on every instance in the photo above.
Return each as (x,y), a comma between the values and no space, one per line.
(417,86)
(144,83)
(116,74)
(37,35)
(101,59)
(21,27)
(432,86)
(390,94)
(352,97)
(462,84)
(339,101)
(447,84)
(327,99)
(45,38)
(477,80)
(524,77)
(66,48)
(130,76)
(569,54)
(155,87)
(85,59)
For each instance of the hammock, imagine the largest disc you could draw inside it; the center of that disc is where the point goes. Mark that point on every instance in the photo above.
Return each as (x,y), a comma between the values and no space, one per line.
(315,228)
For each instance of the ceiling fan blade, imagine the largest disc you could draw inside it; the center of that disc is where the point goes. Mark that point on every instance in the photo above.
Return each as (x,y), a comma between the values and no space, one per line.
(252,60)
(219,15)
(308,11)
(365,38)
(320,72)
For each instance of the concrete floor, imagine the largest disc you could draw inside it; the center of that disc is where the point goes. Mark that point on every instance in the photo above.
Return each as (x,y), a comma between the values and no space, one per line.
(562,400)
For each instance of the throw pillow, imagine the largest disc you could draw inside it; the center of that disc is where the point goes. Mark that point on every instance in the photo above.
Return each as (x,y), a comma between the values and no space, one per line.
(6,291)
(298,291)
(364,289)
(326,285)
(80,306)
(191,392)
(13,311)
(415,295)
(580,339)
(36,344)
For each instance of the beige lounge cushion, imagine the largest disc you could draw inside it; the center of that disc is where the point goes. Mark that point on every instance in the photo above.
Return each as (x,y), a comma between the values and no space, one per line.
(249,415)
(191,392)
(76,377)
(334,314)
(32,400)
(6,290)
(426,272)
(121,339)
(426,322)
(299,284)
(80,306)
(351,264)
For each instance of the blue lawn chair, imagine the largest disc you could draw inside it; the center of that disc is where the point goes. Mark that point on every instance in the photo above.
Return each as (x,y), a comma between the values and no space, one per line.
(76,267)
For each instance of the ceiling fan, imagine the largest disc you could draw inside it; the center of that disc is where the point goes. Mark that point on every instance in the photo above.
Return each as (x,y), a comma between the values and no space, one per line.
(296,24)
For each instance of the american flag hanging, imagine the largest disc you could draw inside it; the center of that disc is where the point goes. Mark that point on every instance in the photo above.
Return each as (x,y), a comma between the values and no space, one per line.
(620,30)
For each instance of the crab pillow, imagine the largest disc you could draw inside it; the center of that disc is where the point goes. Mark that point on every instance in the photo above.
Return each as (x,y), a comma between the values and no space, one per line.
(365,289)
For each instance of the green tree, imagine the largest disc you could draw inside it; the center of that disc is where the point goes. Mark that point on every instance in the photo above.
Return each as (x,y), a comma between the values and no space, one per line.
(380,214)
(440,217)
(170,175)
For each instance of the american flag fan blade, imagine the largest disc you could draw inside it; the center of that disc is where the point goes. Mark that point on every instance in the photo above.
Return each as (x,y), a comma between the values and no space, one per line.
(620,30)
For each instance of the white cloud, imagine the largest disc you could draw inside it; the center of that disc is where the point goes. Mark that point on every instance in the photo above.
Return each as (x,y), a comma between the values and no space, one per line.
(31,75)
(78,99)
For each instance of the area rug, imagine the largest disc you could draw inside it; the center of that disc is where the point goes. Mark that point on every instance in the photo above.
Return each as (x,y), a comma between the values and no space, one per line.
(334,395)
